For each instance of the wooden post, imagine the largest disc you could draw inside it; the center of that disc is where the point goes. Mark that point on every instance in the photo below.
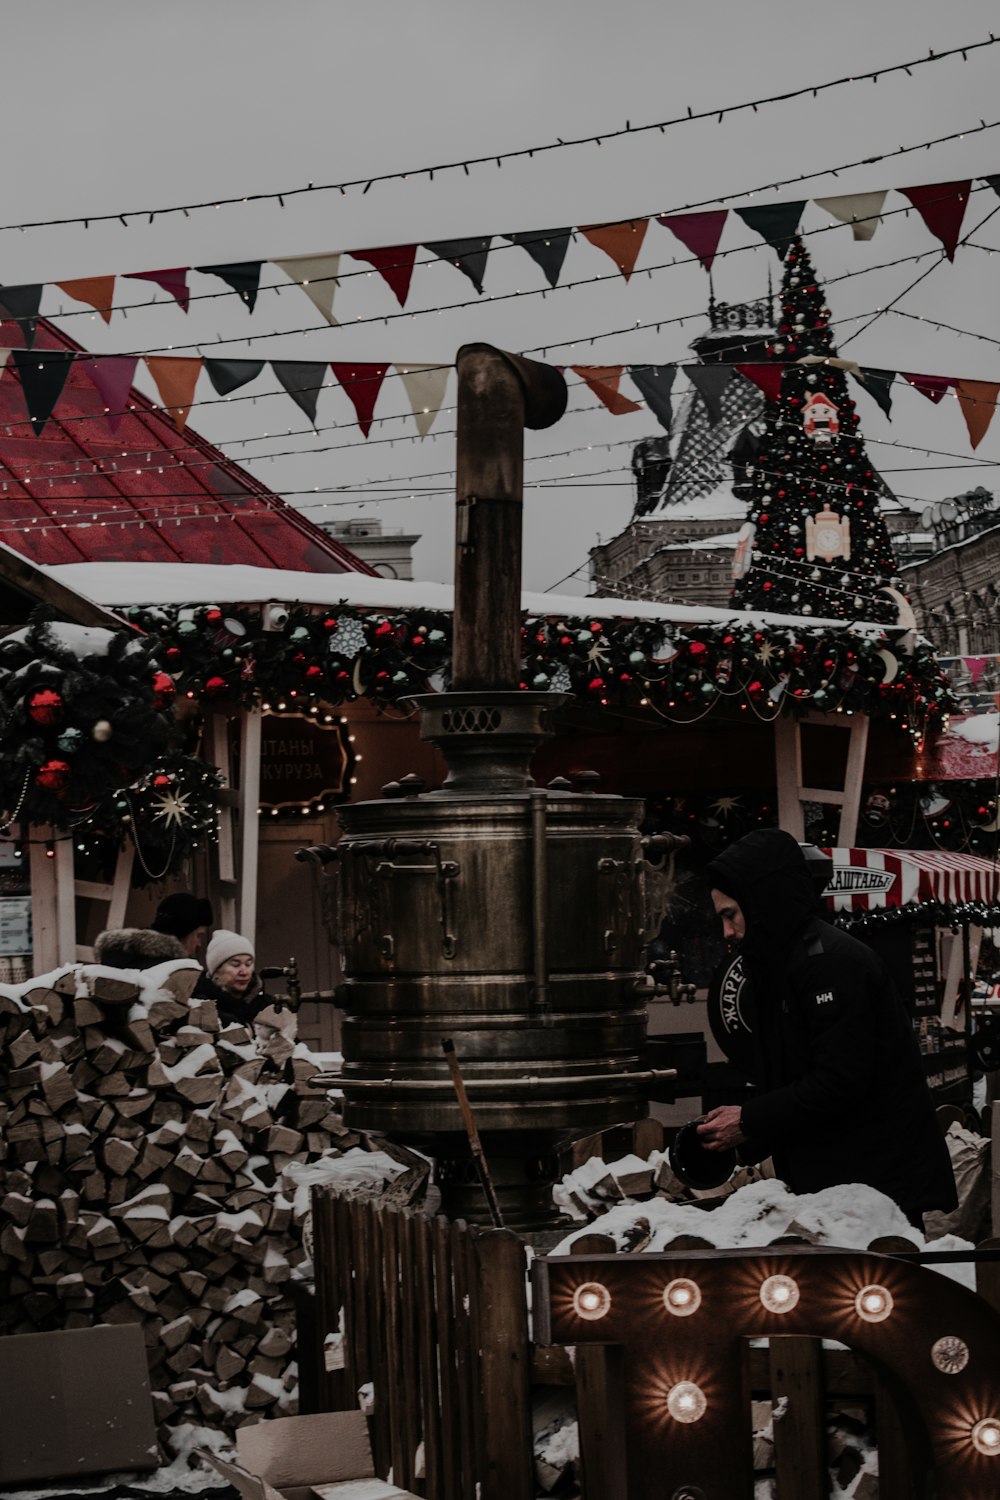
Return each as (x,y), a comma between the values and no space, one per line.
(600,1407)
(250,740)
(506,1367)
(217,744)
(995,1168)
(800,1431)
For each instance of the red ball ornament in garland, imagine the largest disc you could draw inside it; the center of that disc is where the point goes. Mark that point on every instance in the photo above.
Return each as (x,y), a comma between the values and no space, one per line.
(46,707)
(330,624)
(214,686)
(314,674)
(164,690)
(697,648)
(162,781)
(53,776)
(173,653)
(213,615)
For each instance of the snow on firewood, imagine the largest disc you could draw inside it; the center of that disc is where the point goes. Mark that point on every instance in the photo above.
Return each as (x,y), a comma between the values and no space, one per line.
(155,1168)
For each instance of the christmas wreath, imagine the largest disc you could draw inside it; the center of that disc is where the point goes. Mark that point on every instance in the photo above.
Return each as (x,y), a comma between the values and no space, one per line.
(169,813)
(80,715)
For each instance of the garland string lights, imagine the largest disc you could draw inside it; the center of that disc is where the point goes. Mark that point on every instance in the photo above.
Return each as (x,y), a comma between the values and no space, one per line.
(717,113)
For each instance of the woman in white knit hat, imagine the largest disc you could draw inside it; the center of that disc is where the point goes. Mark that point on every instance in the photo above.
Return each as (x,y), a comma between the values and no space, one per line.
(230,978)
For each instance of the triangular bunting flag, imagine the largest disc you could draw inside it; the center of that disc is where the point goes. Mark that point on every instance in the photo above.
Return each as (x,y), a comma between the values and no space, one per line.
(43,374)
(931,386)
(22,302)
(878,384)
(547,248)
(710,382)
(172,280)
(774,222)
(228,375)
(941,205)
(303,380)
(362,383)
(425,387)
(621,241)
(994,183)
(766,377)
(468,255)
(603,381)
(655,383)
(97,291)
(699,233)
(978,400)
(317,276)
(394,263)
(975,666)
(243,276)
(860,210)
(175,378)
(113,375)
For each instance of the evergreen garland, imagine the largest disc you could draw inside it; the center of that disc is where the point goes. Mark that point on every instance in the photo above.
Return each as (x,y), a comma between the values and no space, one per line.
(816,541)
(224,655)
(79,716)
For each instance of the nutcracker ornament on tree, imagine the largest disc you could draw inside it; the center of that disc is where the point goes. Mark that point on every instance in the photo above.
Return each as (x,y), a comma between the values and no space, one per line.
(819,544)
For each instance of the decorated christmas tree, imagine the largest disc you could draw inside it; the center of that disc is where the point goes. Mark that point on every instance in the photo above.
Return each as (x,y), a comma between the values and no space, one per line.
(815,542)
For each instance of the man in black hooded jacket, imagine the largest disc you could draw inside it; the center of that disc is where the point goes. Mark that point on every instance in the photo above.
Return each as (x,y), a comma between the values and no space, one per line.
(841,1093)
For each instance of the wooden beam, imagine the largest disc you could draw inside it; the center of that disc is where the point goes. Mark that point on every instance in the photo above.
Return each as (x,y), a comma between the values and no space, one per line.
(250,743)
(788,770)
(224,894)
(800,1429)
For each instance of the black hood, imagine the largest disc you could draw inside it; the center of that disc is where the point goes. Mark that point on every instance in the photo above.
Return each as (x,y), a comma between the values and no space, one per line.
(767,874)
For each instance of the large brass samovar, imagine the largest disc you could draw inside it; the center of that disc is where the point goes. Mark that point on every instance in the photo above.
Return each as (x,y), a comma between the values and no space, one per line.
(509,918)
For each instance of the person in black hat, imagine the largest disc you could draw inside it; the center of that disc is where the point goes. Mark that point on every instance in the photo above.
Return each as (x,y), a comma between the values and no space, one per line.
(186,918)
(841,1092)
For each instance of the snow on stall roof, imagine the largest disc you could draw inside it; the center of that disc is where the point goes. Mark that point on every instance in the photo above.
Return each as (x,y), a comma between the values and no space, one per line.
(121,584)
(702,543)
(979,729)
(719,504)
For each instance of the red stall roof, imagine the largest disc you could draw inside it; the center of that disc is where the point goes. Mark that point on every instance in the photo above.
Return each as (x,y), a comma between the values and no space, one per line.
(869,879)
(144,493)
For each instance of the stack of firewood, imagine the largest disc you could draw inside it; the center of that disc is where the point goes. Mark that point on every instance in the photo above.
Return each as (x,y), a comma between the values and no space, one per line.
(143,1149)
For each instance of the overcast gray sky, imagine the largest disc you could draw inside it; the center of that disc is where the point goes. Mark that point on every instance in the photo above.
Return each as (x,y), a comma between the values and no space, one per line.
(113,105)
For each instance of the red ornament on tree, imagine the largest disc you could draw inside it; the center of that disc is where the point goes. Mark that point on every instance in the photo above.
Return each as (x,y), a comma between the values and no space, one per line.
(314,674)
(173,653)
(164,689)
(330,623)
(161,781)
(46,706)
(214,686)
(213,615)
(53,776)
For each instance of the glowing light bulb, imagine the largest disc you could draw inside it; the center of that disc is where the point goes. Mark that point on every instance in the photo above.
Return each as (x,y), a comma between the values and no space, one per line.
(591,1300)
(986,1436)
(682,1297)
(686,1401)
(873,1304)
(779,1294)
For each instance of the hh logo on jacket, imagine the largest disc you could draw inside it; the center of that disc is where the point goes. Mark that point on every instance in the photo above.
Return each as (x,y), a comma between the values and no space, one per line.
(826,998)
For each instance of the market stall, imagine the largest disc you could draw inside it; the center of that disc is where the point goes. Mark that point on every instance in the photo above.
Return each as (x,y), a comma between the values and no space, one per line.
(926,912)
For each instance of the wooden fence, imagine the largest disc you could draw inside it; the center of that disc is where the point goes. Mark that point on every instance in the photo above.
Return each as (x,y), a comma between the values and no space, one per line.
(434,1317)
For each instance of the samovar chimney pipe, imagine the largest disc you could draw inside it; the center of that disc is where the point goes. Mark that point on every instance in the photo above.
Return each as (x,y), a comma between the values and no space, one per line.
(499,394)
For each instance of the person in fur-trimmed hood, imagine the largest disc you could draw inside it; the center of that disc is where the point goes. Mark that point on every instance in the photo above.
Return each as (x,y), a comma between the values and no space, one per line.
(841,1092)
(136,948)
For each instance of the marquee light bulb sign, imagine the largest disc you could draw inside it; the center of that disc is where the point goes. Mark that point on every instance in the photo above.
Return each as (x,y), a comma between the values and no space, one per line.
(681,1319)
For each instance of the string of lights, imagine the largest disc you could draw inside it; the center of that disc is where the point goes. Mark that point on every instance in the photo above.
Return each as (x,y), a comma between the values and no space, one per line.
(200,345)
(493,158)
(915,282)
(524,240)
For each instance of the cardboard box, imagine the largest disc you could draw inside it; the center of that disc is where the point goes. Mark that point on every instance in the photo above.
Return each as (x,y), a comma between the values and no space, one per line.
(75,1402)
(327,1455)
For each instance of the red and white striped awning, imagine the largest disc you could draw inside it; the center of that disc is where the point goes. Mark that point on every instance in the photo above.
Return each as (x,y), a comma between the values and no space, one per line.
(866,879)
